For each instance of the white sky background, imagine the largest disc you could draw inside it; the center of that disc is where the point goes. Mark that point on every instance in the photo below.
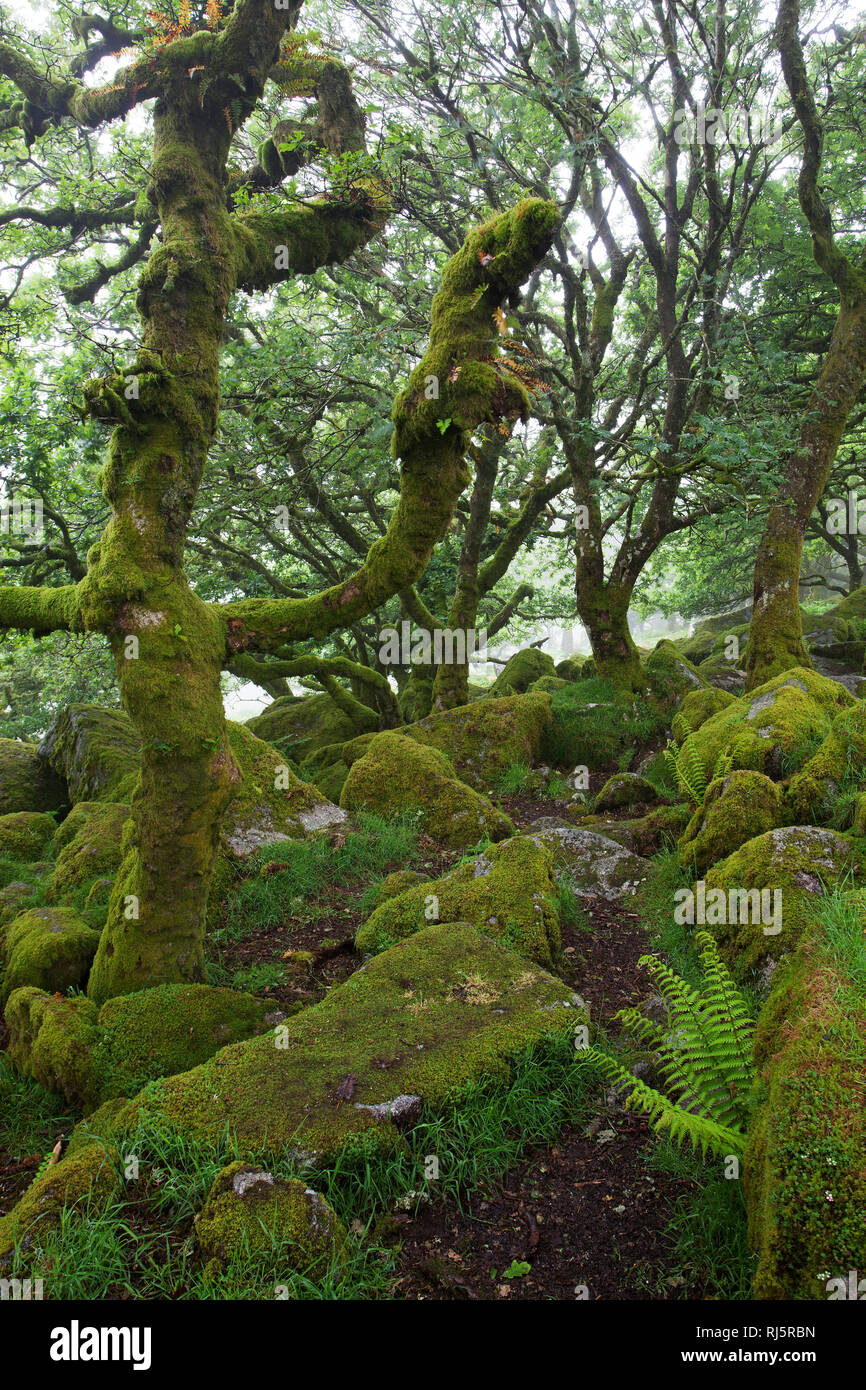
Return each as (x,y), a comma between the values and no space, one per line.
(247,699)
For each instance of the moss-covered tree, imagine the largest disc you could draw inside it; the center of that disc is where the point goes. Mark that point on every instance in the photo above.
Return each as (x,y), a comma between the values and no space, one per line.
(776,637)
(204,77)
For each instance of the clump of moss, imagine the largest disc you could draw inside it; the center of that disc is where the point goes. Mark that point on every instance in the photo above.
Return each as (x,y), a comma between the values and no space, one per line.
(735,809)
(395,884)
(50,947)
(625,789)
(519,672)
(665,663)
(508,892)
(396,774)
(798,863)
(763,729)
(299,728)
(89,845)
(813,793)
(24,835)
(86,1181)
(696,709)
(249,1211)
(91,1054)
(484,738)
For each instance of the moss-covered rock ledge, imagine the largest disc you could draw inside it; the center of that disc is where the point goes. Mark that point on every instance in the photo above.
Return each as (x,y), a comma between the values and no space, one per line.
(413,1027)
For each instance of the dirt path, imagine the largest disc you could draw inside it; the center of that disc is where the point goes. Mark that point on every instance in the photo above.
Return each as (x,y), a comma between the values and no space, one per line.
(587,1214)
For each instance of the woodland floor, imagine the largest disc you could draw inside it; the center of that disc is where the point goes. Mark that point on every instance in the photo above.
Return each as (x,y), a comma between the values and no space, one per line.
(594,1208)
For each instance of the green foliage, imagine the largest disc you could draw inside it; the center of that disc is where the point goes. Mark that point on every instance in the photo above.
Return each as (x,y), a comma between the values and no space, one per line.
(286,877)
(704,1055)
(688,770)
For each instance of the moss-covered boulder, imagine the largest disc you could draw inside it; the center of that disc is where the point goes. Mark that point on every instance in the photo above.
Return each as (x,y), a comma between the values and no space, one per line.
(805,1164)
(272,804)
(50,947)
(668,665)
(250,1212)
(96,751)
(696,709)
(643,835)
(711,631)
(414,1028)
(27,783)
(838,632)
(594,865)
(770,888)
(299,727)
(83,1183)
(484,738)
(625,789)
(395,884)
(508,892)
(519,672)
(736,808)
(570,668)
(24,835)
(90,1054)
(89,845)
(397,774)
(766,728)
(813,793)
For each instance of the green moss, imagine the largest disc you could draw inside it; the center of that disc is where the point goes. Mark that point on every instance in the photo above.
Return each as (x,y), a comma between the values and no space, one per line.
(24,834)
(397,883)
(85,1182)
(805,1165)
(437,1012)
(643,835)
(508,892)
(50,947)
(761,729)
(96,751)
(396,774)
(570,668)
(519,672)
(51,1039)
(667,664)
(625,789)
(249,1211)
(90,845)
(798,862)
(484,738)
(301,727)
(696,709)
(812,794)
(91,1055)
(27,783)
(272,804)
(735,809)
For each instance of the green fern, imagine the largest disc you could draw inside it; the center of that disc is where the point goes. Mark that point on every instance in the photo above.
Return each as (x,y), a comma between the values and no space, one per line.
(689,771)
(704,1054)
